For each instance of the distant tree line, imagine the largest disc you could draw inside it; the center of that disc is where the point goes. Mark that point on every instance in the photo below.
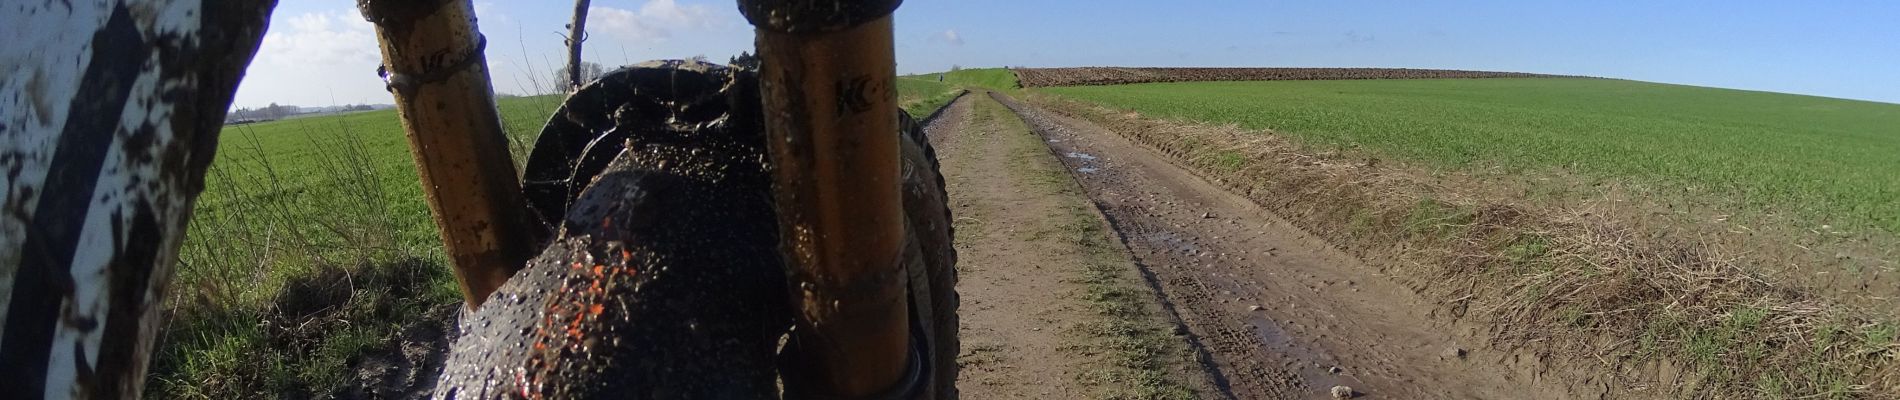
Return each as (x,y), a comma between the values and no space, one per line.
(745,60)
(589,72)
(273,111)
(276,111)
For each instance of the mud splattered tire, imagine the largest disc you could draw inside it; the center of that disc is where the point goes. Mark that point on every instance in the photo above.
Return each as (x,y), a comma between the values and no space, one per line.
(664,280)
(933,271)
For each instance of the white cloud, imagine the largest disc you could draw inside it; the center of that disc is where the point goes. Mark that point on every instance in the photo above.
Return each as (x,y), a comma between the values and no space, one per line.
(315,58)
(490,16)
(655,21)
(1354,37)
(330,56)
(952,37)
(323,38)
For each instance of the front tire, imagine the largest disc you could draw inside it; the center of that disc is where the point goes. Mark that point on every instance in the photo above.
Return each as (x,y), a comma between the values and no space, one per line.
(933,271)
(665,279)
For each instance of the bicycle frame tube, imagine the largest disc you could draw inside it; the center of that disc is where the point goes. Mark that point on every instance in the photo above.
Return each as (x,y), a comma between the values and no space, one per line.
(109,118)
(827,76)
(434,66)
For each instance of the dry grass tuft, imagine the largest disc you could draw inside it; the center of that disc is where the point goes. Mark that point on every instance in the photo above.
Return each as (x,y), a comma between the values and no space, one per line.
(292,281)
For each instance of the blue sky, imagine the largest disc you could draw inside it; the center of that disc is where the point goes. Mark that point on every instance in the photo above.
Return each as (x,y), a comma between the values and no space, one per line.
(320,52)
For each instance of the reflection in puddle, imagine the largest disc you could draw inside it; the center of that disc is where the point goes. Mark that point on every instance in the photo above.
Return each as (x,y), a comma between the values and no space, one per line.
(1086,170)
(1168,240)
(1082,156)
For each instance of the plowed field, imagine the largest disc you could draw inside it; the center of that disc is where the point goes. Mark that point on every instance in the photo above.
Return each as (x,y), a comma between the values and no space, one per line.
(1088,76)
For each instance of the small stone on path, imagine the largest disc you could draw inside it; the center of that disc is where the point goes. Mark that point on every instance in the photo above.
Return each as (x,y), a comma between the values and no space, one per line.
(1454,352)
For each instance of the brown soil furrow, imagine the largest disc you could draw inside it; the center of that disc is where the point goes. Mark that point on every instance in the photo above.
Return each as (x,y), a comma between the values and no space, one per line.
(1083,76)
(1279,310)
(947,121)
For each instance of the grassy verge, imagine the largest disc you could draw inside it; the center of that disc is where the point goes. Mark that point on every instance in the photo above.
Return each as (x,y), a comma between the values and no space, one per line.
(1135,355)
(925,93)
(1583,288)
(310,248)
(997,79)
(920,96)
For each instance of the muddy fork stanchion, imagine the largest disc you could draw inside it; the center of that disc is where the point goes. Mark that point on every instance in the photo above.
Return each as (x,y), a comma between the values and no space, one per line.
(433,63)
(827,74)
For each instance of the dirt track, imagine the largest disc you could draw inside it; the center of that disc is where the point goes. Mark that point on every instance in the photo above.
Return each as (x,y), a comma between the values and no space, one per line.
(1266,310)
(1021,267)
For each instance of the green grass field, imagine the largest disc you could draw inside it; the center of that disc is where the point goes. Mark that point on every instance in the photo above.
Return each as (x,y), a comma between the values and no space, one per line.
(922,94)
(1822,159)
(986,78)
(311,244)
(312,166)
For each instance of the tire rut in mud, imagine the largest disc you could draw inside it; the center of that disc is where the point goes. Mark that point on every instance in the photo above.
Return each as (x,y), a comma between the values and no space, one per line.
(1236,360)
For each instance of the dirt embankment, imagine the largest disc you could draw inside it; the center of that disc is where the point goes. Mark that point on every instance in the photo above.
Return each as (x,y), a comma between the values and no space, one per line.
(1083,76)
(1561,302)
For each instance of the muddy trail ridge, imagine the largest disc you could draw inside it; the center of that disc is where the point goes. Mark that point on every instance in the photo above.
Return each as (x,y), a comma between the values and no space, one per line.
(1262,309)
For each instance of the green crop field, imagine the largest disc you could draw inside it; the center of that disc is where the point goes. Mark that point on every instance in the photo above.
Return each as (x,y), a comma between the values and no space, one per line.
(311,244)
(1824,159)
(986,78)
(314,165)
(922,94)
